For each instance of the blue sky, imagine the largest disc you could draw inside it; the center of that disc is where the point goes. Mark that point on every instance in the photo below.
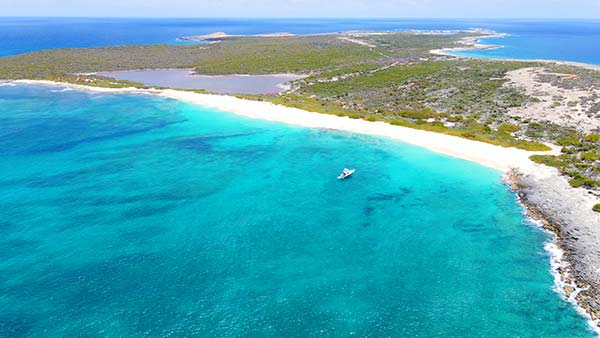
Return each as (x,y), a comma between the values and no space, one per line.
(306,8)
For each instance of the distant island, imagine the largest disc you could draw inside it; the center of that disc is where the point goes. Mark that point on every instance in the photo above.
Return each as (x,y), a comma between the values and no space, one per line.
(217,36)
(539,121)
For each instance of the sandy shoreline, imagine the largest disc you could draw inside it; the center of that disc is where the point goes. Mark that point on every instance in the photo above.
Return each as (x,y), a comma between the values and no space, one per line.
(470,43)
(497,157)
(536,185)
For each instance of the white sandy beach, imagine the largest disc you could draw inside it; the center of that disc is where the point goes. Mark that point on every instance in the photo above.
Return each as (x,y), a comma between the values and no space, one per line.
(489,155)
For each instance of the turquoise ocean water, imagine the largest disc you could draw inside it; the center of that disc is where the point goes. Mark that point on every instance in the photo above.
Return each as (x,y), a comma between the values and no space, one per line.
(140,216)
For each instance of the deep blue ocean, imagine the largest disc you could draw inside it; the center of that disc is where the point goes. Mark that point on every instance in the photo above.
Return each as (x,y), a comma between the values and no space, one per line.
(139,216)
(569,40)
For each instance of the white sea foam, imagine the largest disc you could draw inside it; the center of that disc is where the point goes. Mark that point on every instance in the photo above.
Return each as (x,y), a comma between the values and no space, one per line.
(62,90)
(558,263)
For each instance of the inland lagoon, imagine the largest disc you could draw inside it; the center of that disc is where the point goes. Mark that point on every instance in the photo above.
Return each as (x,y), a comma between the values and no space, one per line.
(224,84)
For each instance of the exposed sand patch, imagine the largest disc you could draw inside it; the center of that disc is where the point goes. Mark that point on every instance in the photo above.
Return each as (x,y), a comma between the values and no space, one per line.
(564,106)
(357,41)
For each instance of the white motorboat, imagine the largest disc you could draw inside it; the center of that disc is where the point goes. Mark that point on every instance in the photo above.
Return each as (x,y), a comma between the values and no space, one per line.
(346,173)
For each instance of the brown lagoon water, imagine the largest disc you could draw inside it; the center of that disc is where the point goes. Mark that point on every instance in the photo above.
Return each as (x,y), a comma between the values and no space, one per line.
(228,84)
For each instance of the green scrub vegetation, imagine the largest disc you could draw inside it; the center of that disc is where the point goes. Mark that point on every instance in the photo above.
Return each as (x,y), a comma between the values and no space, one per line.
(389,77)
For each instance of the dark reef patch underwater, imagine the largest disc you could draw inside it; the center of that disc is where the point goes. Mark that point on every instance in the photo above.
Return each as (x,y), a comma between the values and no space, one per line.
(134,215)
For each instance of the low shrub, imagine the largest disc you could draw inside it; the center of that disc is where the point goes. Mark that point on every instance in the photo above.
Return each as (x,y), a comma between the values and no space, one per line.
(437,124)
(508,128)
(592,138)
(455,118)
(418,114)
(568,141)
(550,160)
(468,134)
(591,157)
(582,181)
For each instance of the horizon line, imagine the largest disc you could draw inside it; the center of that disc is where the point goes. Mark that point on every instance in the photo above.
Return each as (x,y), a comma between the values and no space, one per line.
(293,18)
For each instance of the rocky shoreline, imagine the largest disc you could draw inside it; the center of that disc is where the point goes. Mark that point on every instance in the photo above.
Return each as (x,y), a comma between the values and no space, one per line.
(564,211)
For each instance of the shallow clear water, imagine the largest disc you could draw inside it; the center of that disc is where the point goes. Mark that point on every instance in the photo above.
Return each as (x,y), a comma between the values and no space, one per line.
(570,40)
(227,84)
(127,216)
